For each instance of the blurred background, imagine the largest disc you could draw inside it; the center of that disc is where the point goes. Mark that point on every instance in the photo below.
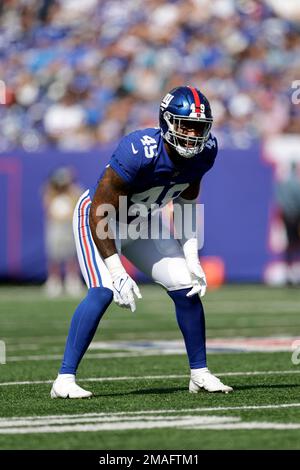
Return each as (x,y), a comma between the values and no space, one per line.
(77,75)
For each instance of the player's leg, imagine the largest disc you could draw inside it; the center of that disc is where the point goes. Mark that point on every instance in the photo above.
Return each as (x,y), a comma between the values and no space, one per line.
(164,261)
(89,312)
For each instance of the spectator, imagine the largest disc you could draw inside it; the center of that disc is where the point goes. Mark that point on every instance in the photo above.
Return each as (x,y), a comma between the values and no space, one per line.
(288,200)
(60,197)
(70,65)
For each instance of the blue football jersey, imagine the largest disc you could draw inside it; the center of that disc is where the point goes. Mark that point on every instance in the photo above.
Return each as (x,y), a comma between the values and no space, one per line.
(142,161)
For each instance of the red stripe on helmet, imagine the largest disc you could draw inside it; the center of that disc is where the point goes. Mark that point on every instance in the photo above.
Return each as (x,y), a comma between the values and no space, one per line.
(196,98)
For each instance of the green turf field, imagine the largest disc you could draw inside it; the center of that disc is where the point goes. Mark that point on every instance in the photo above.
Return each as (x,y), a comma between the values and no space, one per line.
(140,391)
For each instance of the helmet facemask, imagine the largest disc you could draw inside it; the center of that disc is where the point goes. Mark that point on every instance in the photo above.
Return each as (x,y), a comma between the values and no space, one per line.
(179,135)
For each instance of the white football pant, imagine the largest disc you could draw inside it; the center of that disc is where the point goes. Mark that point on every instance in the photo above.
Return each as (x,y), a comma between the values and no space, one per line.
(160,259)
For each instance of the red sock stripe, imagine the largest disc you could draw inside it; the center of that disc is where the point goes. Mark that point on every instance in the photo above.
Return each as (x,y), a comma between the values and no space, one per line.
(196,98)
(86,246)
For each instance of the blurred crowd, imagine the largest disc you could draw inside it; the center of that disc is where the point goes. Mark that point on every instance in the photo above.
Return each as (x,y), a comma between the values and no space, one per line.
(60,195)
(83,72)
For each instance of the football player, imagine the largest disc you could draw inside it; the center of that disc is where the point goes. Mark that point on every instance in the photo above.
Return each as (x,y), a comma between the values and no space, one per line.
(152,166)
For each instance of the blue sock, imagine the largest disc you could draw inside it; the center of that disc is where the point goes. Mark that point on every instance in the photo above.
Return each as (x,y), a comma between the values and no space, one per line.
(83,327)
(191,321)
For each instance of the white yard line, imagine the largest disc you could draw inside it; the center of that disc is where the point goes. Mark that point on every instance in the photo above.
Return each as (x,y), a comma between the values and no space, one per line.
(247,425)
(189,424)
(111,422)
(150,352)
(128,349)
(55,357)
(52,419)
(147,423)
(104,419)
(156,377)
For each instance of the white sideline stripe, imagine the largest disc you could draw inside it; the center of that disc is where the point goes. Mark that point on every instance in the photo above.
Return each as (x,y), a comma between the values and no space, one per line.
(145,422)
(123,349)
(150,423)
(230,345)
(156,377)
(54,357)
(91,416)
(249,426)
(154,353)
(107,419)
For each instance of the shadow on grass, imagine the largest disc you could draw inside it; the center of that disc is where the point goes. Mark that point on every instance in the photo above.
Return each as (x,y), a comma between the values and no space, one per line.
(265,386)
(148,391)
(170,390)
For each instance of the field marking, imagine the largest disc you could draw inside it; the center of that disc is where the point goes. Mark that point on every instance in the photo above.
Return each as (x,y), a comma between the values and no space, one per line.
(111,422)
(128,349)
(122,355)
(54,418)
(261,343)
(143,422)
(55,357)
(251,425)
(155,377)
(108,418)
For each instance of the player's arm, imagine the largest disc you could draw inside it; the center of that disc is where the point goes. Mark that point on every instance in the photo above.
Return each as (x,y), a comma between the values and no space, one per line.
(105,203)
(187,215)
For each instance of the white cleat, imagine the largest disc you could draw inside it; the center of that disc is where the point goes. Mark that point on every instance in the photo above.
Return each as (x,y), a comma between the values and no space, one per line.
(65,387)
(207,381)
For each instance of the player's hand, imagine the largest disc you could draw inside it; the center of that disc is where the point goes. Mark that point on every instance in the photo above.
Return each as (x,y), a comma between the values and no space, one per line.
(124,289)
(198,277)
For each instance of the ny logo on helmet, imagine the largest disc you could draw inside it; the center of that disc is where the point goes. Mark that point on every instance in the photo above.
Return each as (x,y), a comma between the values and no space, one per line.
(166,101)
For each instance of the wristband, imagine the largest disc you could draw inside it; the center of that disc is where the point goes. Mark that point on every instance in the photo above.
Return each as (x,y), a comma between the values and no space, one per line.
(115,266)
(190,248)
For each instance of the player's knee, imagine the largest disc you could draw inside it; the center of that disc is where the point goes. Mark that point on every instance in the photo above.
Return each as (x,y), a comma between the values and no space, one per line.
(99,297)
(179,297)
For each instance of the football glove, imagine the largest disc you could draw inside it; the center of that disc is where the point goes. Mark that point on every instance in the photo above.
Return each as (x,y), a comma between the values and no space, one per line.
(124,289)
(198,278)
(197,274)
